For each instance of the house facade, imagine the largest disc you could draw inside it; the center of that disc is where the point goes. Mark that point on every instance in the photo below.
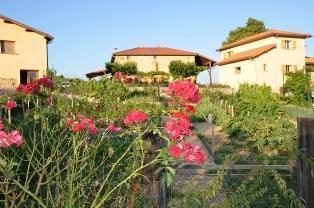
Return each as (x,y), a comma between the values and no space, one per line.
(23,53)
(264,58)
(158,58)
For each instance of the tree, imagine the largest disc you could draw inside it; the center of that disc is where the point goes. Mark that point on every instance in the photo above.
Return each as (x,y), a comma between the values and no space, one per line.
(184,70)
(128,68)
(298,85)
(253,26)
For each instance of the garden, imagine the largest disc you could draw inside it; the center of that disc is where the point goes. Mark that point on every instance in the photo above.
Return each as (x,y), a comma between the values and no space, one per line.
(107,143)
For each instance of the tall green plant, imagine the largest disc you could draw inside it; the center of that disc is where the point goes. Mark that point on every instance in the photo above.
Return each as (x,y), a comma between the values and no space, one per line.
(298,85)
(128,68)
(179,69)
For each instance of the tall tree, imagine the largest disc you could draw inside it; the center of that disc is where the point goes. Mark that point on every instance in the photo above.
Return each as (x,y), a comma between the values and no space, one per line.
(253,26)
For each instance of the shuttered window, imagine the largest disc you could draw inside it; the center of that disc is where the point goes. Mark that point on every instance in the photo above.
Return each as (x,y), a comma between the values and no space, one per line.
(288,44)
(7,47)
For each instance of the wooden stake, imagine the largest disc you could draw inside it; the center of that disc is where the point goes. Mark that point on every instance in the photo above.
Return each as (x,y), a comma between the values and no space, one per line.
(9,116)
(72,103)
(37,102)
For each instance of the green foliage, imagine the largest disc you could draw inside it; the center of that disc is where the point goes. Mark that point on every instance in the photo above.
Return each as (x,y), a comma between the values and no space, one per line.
(258,123)
(128,68)
(260,189)
(199,197)
(179,69)
(294,111)
(206,107)
(105,89)
(298,84)
(153,73)
(51,72)
(253,26)
(257,100)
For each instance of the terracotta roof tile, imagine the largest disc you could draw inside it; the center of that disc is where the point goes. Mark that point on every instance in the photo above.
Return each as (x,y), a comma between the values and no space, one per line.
(242,56)
(96,73)
(309,60)
(163,51)
(27,28)
(153,51)
(263,35)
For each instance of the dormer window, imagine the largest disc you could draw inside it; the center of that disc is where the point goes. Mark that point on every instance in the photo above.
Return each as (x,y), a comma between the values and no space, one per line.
(7,47)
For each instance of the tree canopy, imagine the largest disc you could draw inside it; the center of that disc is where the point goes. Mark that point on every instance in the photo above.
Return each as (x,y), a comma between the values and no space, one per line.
(128,68)
(178,69)
(252,27)
(298,84)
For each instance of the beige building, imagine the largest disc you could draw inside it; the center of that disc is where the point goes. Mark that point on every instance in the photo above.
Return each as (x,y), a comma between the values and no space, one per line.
(264,58)
(158,58)
(23,53)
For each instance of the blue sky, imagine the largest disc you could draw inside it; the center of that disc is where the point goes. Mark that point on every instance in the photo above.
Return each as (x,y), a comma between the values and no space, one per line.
(86,32)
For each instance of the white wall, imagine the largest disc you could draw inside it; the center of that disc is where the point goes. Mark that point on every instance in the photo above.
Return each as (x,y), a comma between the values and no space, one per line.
(252,71)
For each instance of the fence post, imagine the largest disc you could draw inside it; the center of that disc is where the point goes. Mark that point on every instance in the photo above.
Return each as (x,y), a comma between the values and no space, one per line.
(232,111)
(306,151)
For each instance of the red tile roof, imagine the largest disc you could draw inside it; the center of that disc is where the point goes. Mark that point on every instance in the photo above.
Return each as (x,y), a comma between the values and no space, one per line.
(263,35)
(163,51)
(246,55)
(97,73)
(153,51)
(27,28)
(309,60)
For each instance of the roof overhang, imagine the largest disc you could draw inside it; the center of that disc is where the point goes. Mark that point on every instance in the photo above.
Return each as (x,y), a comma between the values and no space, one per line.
(8,20)
(247,55)
(96,73)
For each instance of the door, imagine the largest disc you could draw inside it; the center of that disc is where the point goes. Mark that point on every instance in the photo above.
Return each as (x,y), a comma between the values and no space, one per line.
(27,76)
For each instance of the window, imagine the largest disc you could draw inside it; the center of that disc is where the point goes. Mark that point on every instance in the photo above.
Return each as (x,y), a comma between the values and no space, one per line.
(156,67)
(288,69)
(228,54)
(27,76)
(7,47)
(238,70)
(155,57)
(289,45)
(265,67)
(128,57)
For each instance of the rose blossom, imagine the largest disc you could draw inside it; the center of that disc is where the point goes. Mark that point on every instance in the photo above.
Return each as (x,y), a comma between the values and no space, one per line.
(178,128)
(134,117)
(189,109)
(7,140)
(186,90)
(92,129)
(112,128)
(180,115)
(68,122)
(45,82)
(191,152)
(175,151)
(11,104)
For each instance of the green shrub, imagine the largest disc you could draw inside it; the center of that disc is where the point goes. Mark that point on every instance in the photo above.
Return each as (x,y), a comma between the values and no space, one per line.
(179,69)
(128,68)
(298,84)
(256,99)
